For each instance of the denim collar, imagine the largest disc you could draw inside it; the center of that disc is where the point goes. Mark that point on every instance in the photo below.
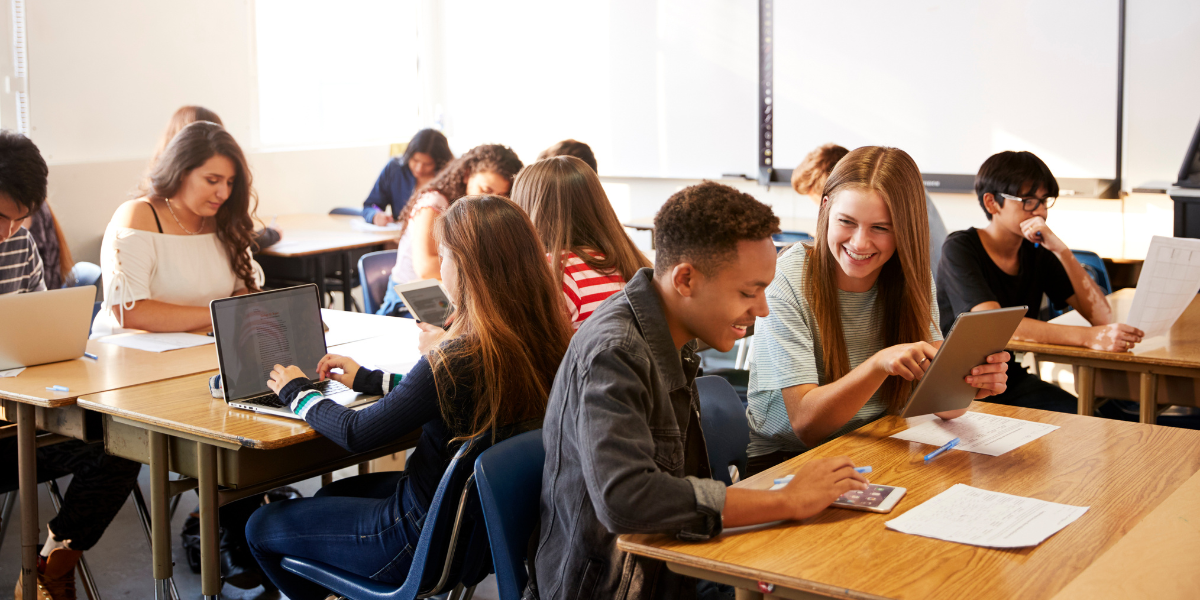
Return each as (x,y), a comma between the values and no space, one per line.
(647,310)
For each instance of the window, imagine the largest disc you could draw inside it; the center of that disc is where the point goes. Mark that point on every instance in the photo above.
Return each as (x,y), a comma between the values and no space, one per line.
(332,74)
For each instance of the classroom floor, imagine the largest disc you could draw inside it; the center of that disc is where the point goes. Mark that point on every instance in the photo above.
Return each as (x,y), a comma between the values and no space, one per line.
(120,562)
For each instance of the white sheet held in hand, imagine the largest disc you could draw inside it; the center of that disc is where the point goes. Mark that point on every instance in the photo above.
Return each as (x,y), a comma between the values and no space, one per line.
(968,515)
(978,432)
(1168,283)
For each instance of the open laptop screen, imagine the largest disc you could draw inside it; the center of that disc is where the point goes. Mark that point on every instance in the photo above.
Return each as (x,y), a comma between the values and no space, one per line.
(258,331)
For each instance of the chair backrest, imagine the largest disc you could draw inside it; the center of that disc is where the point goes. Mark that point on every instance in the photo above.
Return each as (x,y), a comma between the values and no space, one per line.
(374,270)
(1094,265)
(509,479)
(83,273)
(726,432)
(347,210)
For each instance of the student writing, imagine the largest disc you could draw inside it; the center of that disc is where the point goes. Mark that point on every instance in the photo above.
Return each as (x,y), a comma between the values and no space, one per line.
(426,155)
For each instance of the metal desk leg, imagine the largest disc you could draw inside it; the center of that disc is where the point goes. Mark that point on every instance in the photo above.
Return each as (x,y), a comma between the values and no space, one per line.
(210,567)
(160,524)
(1085,385)
(27,480)
(347,268)
(318,275)
(1149,398)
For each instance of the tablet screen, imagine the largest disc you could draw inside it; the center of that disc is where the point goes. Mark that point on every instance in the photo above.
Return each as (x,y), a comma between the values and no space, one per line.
(429,304)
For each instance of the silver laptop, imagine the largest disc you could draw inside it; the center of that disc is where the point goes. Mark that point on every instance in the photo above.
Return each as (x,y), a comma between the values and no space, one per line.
(255,332)
(45,327)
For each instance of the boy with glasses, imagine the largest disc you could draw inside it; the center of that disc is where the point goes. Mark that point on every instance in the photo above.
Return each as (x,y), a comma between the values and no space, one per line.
(1014,261)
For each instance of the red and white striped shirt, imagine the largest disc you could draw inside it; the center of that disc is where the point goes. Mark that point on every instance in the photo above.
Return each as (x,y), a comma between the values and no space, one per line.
(584,288)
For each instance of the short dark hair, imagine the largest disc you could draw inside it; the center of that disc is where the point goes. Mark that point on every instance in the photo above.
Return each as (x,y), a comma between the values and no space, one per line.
(702,224)
(431,142)
(1008,172)
(23,171)
(574,148)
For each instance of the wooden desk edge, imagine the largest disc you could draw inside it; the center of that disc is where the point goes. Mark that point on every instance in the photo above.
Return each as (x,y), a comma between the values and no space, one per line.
(341,248)
(39,402)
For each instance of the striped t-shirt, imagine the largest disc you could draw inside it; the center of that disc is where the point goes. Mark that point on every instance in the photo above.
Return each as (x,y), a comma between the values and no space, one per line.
(584,288)
(787,352)
(20,265)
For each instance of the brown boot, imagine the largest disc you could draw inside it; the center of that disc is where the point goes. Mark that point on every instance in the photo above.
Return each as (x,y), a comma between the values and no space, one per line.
(57,580)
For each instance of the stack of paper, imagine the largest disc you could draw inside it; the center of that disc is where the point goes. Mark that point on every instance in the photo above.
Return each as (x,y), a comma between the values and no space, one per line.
(156,342)
(968,515)
(979,432)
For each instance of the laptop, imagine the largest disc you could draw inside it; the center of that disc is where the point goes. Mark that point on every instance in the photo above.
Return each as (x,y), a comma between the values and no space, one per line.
(45,327)
(255,332)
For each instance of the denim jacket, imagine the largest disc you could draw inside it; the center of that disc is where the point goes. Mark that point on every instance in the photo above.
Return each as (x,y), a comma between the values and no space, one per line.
(624,454)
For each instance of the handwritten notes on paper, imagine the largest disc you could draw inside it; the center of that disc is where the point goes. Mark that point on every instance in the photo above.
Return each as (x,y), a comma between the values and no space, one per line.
(979,432)
(156,342)
(1169,281)
(968,515)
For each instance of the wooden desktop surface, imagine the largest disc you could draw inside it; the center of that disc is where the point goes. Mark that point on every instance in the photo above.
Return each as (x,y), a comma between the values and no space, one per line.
(1180,347)
(308,234)
(786,224)
(1122,470)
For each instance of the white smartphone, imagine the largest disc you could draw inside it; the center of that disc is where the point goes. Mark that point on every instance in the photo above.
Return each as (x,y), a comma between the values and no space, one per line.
(876,498)
(427,300)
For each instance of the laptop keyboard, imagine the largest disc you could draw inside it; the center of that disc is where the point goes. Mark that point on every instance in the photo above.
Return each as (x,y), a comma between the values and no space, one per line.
(328,387)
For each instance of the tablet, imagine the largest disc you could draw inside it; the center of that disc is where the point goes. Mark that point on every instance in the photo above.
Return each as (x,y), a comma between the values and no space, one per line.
(427,300)
(973,337)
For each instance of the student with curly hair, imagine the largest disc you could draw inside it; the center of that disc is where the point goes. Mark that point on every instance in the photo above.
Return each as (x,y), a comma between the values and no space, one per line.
(427,153)
(624,448)
(585,242)
(854,320)
(487,169)
(186,242)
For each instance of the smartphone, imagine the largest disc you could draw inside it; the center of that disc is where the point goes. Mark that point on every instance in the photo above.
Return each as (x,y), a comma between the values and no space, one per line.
(427,300)
(876,498)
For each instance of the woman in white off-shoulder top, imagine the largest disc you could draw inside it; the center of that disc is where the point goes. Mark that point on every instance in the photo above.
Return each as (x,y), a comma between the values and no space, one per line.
(185,242)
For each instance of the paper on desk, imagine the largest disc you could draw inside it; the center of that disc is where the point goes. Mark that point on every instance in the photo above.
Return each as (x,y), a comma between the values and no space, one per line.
(980,433)
(968,515)
(12,372)
(1169,281)
(156,342)
(359,225)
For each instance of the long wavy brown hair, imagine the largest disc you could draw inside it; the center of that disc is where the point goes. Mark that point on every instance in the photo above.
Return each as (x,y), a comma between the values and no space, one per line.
(904,282)
(451,182)
(509,331)
(570,211)
(188,150)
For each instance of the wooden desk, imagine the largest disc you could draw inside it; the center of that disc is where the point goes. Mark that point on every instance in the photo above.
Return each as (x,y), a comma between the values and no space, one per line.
(1175,354)
(1123,471)
(175,425)
(309,239)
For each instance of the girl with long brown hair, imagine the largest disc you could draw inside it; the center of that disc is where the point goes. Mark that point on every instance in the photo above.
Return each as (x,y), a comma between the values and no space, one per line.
(488,375)
(853,321)
(487,169)
(187,241)
(586,245)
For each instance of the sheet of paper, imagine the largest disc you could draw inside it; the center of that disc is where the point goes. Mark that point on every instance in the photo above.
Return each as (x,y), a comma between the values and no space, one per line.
(1169,281)
(968,515)
(359,225)
(978,432)
(12,372)
(156,342)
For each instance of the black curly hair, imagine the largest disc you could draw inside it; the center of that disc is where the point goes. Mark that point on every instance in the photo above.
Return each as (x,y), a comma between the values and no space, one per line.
(702,225)
(23,171)
(451,182)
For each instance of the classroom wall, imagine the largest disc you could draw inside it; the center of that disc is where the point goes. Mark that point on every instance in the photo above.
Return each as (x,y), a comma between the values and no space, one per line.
(105,77)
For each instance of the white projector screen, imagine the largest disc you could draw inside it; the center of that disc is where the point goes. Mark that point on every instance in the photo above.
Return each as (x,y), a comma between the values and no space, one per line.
(951,83)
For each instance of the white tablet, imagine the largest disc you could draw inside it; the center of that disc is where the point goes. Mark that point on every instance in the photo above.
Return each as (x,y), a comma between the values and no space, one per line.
(427,300)
(973,337)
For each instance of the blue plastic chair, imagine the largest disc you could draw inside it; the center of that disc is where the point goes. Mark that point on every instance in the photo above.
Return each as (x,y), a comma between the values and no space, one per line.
(374,271)
(1094,266)
(509,478)
(726,432)
(83,273)
(452,549)
(347,210)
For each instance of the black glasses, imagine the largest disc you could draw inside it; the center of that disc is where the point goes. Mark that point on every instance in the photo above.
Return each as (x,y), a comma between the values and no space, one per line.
(1031,204)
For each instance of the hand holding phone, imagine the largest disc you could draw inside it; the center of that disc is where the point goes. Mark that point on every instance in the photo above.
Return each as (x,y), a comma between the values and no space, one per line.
(876,498)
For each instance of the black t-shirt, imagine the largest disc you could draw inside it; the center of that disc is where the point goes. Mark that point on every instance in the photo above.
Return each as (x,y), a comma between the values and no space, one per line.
(967,277)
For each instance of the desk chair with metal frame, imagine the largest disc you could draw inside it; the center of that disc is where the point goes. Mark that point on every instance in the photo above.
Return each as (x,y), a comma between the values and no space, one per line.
(723,421)
(374,272)
(509,478)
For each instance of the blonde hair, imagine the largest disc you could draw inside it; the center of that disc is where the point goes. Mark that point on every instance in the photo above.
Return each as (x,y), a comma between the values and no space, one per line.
(904,282)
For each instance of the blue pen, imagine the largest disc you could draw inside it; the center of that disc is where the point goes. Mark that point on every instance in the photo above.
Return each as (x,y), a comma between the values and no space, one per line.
(785,479)
(932,455)
(58,388)
(91,356)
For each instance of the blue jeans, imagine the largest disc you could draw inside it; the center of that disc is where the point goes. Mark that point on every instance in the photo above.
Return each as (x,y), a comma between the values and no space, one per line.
(392,305)
(368,525)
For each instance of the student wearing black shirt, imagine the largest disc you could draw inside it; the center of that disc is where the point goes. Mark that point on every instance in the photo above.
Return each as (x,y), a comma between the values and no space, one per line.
(1014,261)
(482,376)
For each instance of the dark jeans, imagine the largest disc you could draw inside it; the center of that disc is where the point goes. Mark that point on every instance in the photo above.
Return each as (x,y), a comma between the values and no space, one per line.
(393,304)
(1029,391)
(367,525)
(100,485)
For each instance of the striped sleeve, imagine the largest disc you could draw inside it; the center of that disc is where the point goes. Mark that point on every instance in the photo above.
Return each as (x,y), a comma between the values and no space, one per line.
(20,265)
(585,289)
